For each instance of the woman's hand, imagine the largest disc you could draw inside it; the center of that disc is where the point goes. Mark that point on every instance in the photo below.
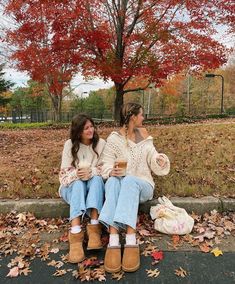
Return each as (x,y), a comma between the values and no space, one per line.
(116,171)
(84,174)
(161,161)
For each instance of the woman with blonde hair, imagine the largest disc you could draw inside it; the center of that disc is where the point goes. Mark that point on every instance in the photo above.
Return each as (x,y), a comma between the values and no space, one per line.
(82,186)
(125,190)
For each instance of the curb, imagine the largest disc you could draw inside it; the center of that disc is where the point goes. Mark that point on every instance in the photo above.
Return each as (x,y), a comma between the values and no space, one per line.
(58,208)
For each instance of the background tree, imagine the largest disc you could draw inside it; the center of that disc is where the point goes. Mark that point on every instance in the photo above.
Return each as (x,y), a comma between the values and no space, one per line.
(30,99)
(127,38)
(38,48)
(5,85)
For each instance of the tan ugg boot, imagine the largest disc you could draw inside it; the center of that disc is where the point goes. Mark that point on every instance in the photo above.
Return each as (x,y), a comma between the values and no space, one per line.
(131,258)
(112,259)
(94,234)
(76,252)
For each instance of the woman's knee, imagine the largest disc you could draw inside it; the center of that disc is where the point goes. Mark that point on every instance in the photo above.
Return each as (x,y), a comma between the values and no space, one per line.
(112,184)
(78,186)
(97,179)
(129,181)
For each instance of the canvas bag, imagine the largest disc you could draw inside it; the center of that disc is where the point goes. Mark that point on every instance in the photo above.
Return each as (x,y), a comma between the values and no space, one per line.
(170,219)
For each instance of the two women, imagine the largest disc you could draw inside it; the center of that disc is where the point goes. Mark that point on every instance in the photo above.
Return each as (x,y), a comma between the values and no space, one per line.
(124,192)
(82,186)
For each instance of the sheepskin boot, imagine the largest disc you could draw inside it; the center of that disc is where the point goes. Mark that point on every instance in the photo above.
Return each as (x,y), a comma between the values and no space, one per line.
(112,260)
(76,252)
(131,258)
(94,234)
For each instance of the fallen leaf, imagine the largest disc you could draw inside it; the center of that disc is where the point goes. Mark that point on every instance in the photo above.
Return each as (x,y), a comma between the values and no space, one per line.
(217,252)
(204,248)
(14,272)
(25,271)
(207,234)
(60,272)
(54,250)
(181,272)
(144,232)
(157,255)
(118,275)
(152,273)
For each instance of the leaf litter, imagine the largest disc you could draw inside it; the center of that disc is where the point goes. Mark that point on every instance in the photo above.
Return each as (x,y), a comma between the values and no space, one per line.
(20,239)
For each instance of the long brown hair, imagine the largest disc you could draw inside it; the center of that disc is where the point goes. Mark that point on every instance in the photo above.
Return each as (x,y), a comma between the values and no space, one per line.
(77,127)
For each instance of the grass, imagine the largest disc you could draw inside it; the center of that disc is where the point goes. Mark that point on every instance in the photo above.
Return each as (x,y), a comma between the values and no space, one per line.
(34,125)
(202,160)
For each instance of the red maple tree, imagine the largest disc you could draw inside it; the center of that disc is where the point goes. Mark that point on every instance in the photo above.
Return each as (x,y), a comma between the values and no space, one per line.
(38,49)
(129,38)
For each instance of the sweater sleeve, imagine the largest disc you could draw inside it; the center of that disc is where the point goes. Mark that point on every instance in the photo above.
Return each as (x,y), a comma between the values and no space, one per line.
(155,167)
(68,173)
(107,158)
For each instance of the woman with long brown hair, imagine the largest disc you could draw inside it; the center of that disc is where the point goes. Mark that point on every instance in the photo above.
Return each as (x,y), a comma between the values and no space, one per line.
(82,186)
(133,148)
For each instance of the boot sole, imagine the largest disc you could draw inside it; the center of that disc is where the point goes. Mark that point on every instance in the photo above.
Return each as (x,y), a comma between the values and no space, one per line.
(112,270)
(90,248)
(76,261)
(132,269)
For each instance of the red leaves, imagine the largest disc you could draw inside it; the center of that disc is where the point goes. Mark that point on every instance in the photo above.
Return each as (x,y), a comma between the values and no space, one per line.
(157,255)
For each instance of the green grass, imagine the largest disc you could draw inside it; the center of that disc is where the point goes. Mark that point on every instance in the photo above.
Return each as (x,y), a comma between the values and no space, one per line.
(10,126)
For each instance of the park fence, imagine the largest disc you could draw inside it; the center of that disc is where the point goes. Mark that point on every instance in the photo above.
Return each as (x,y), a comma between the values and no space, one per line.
(34,116)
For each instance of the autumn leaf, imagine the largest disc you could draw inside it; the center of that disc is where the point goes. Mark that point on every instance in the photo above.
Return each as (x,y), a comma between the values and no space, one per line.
(144,232)
(181,272)
(54,250)
(208,234)
(204,248)
(118,275)
(60,272)
(157,255)
(217,252)
(14,272)
(25,271)
(99,274)
(152,273)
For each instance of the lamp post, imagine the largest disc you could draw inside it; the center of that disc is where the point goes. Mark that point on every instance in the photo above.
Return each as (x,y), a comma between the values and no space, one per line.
(210,75)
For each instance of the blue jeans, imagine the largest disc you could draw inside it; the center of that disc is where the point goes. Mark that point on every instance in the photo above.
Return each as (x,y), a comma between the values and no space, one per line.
(123,196)
(84,195)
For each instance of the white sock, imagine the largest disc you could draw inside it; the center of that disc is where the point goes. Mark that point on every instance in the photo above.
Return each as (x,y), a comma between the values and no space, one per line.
(130,239)
(113,240)
(76,229)
(94,222)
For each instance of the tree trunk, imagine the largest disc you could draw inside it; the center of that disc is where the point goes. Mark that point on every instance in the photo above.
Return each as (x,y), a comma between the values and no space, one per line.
(57,102)
(118,101)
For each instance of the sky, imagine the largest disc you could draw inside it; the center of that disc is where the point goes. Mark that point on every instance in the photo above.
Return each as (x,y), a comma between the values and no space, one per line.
(78,84)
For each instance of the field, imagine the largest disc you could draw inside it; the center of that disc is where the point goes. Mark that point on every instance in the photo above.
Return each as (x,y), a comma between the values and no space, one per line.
(202,159)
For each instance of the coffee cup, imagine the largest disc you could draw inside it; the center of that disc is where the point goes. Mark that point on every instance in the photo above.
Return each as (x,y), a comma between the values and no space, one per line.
(83,164)
(121,163)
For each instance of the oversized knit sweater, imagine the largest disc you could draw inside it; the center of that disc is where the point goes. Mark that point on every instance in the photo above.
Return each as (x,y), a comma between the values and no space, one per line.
(68,173)
(141,157)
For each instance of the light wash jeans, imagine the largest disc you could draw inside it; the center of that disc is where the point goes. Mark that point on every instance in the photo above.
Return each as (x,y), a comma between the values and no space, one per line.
(123,196)
(84,195)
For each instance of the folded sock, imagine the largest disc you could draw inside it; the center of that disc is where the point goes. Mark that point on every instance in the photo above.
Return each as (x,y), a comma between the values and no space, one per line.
(113,240)
(130,239)
(76,229)
(94,222)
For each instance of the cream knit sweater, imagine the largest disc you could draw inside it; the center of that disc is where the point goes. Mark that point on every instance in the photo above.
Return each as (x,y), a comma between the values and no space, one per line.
(141,157)
(68,173)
